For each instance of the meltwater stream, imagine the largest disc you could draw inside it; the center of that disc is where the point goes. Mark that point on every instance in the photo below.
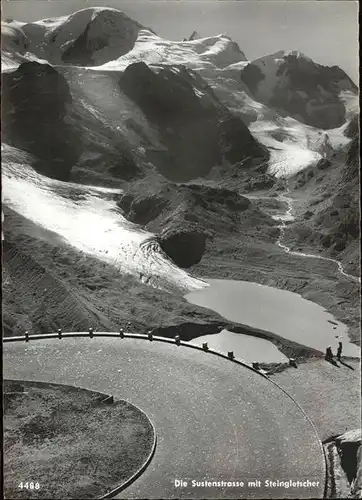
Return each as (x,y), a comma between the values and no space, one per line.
(288,216)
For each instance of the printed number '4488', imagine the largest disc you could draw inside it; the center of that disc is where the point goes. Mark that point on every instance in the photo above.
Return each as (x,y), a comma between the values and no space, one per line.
(29,486)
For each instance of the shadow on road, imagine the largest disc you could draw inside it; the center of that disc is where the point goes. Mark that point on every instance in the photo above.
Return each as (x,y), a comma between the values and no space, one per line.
(347,365)
(334,363)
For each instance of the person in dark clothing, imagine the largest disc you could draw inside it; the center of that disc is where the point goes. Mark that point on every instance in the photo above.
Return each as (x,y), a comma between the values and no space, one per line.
(329,354)
(339,351)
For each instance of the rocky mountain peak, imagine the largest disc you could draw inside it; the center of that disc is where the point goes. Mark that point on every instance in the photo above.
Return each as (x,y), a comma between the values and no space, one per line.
(194,36)
(295,85)
(90,36)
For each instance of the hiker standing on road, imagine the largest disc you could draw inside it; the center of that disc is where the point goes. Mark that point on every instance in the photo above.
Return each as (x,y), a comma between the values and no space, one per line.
(339,351)
(329,354)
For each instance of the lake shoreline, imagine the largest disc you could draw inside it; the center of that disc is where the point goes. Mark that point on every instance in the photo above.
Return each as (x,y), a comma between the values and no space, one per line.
(272,314)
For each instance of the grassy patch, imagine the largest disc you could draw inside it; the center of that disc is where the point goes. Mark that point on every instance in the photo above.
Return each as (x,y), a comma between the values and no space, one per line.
(69,442)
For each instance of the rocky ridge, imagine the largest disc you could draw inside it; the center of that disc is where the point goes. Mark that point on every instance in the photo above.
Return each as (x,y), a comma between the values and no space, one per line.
(197,130)
(36,104)
(328,206)
(187,217)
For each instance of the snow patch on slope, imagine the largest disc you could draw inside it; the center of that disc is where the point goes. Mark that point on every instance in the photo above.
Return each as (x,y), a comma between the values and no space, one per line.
(295,146)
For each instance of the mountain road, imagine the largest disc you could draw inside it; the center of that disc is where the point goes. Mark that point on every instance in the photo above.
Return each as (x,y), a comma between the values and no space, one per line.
(215,420)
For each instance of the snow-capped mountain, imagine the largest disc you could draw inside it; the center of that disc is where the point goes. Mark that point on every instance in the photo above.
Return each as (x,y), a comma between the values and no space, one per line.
(286,99)
(87,37)
(285,92)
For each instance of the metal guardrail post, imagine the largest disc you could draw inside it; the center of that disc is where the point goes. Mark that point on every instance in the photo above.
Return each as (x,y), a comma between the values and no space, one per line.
(121,333)
(91,332)
(59,333)
(150,336)
(26,336)
(109,400)
(177,339)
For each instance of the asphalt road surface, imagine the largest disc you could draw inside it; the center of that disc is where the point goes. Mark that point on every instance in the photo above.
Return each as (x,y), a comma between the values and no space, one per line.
(215,420)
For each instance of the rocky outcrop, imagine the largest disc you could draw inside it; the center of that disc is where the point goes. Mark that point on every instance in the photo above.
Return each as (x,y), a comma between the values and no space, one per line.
(211,209)
(165,97)
(252,75)
(323,164)
(231,130)
(36,102)
(197,130)
(194,36)
(353,159)
(259,181)
(108,164)
(189,331)
(344,460)
(295,85)
(345,228)
(13,38)
(352,129)
(186,216)
(184,247)
(348,446)
(342,217)
(142,210)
